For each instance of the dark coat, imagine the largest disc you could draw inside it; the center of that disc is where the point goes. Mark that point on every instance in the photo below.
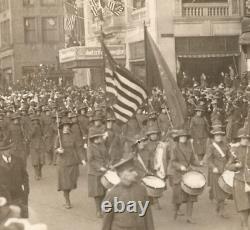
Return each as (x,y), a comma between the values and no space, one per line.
(14,182)
(127,221)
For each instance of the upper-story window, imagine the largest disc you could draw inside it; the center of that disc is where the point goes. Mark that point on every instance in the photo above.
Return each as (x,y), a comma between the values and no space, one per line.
(50,29)
(48,2)
(137,4)
(4,5)
(30,30)
(5,34)
(28,2)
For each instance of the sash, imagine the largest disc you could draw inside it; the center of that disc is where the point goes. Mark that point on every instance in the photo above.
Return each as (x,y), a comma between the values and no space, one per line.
(218,148)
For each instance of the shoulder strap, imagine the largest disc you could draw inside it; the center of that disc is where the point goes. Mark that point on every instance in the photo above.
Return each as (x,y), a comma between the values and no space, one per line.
(218,148)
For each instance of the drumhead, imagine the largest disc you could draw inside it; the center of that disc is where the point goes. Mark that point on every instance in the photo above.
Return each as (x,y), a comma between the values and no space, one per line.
(228,177)
(112,177)
(153,182)
(194,179)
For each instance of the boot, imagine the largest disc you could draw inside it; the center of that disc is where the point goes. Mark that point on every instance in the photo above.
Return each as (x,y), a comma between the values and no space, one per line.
(98,203)
(67,200)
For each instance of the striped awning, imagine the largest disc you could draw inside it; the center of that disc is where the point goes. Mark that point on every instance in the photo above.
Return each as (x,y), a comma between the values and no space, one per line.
(207,55)
(245,39)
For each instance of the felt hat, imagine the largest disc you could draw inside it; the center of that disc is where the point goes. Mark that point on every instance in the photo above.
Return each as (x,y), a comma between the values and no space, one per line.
(217,131)
(95,132)
(182,132)
(65,121)
(243,133)
(199,108)
(153,129)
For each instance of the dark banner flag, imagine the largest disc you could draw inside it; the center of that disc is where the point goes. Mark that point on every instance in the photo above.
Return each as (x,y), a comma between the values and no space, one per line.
(159,75)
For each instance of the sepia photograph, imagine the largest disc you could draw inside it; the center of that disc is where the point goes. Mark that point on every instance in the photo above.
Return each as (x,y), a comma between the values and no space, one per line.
(124,114)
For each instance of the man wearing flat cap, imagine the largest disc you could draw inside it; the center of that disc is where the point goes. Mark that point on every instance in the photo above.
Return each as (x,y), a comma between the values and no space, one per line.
(14,181)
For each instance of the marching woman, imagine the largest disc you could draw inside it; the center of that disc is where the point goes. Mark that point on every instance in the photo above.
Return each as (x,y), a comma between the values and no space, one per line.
(182,158)
(98,160)
(37,146)
(240,162)
(218,155)
(68,160)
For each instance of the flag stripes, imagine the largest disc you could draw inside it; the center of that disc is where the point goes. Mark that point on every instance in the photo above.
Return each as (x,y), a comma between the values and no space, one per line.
(94,7)
(70,17)
(128,92)
(115,7)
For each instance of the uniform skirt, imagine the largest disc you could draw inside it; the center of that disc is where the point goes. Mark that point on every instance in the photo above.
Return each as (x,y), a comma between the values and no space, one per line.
(241,198)
(67,177)
(217,193)
(95,187)
(179,196)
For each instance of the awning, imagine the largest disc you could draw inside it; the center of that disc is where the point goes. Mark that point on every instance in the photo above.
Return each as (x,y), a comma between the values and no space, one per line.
(207,55)
(245,39)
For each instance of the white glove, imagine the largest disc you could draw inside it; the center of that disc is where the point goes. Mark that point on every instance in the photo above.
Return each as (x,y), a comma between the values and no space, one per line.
(102,169)
(60,150)
(84,162)
(215,170)
(238,165)
(105,135)
(183,168)
(85,146)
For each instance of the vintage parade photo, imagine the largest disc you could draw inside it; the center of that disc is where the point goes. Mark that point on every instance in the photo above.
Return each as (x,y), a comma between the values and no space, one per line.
(124,114)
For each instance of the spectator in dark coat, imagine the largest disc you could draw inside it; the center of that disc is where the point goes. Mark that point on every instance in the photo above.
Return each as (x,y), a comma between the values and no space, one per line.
(14,181)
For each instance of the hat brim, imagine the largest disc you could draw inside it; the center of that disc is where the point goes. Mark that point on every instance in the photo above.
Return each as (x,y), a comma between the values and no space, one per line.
(244,136)
(96,135)
(218,133)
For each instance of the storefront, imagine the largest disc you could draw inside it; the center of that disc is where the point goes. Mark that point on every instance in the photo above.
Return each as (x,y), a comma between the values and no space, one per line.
(90,59)
(208,55)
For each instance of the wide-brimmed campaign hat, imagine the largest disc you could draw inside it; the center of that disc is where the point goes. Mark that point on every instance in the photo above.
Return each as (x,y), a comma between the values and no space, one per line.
(5,145)
(199,108)
(15,116)
(243,133)
(65,121)
(181,133)
(95,132)
(217,131)
(153,129)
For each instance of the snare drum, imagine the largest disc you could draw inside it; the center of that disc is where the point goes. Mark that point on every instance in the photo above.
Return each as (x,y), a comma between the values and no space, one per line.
(226,181)
(193,183)
(154,185)
(109,179)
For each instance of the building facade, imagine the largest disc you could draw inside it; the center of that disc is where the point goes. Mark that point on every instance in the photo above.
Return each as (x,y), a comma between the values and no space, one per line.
(193,36)
(31,34)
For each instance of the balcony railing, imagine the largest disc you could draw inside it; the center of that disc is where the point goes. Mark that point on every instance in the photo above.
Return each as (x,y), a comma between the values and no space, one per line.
(207,10)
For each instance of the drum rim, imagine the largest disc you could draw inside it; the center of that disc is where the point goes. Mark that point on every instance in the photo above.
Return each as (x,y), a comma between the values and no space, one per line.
(190,193)
(201,173)
(154,187)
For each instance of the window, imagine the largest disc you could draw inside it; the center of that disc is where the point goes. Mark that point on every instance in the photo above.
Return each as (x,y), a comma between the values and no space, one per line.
(5,33)
(28,2)
(50,29)
(48,2)
(30,30)
(137,4)
(4,5)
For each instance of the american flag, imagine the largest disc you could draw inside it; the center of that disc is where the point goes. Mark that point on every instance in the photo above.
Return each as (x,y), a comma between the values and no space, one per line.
(94,7)
(70,17)
(116,7)
(129,93)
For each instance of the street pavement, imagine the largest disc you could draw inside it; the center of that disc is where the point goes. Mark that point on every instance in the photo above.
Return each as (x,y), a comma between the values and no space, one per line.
(46,205)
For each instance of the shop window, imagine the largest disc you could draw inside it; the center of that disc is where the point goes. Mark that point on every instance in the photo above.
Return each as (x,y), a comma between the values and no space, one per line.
(48,2)
(30,30)
(28,2)
(50,29)
(137,4)
(4,5)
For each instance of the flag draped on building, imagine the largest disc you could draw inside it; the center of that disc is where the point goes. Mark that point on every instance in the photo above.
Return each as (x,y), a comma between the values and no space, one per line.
(120,82)
(159,75)
(70,17)
(116,7)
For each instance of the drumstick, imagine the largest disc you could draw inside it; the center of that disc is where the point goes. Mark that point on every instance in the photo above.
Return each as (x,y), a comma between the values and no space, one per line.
(142,163)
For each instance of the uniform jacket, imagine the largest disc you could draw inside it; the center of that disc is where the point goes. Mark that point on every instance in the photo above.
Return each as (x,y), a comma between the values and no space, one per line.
(182,155)
(240,154)
(97,157)
(215,159)
(199,127)
(72,154)
(125,220)
(14,178)
(84,124)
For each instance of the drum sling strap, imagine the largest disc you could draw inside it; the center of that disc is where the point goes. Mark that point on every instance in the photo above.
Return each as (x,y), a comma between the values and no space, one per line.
(247,186)
(184,156)
(218,148)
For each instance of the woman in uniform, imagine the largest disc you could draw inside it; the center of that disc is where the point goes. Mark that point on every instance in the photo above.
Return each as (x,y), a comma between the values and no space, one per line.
(182,158)
(218,155)
(240,162)
(98,160)
(37,147)
(68,160)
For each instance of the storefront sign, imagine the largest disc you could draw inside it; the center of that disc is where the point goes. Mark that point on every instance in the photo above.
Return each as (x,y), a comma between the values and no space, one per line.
(81,53)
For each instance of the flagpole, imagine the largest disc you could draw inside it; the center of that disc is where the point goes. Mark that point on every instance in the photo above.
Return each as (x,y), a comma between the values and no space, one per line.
(145,59)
